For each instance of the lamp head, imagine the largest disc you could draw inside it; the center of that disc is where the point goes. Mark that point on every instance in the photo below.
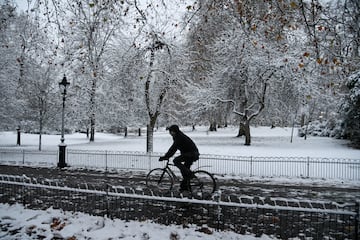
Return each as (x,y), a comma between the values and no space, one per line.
(64,82)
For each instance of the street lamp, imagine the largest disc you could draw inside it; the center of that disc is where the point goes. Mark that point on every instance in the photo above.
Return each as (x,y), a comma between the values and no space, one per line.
(62,146)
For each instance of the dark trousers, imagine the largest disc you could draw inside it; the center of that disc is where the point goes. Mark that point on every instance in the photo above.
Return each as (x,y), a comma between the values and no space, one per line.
(184,162)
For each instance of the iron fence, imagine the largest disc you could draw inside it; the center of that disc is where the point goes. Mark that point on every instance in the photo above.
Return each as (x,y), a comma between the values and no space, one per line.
(279,217)
(303,167)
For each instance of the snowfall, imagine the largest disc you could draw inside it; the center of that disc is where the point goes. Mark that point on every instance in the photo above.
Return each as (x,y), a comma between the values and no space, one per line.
(58,224)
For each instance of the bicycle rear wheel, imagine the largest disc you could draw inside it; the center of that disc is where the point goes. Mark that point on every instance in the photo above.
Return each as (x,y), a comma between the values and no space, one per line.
(203,185)
(159,179)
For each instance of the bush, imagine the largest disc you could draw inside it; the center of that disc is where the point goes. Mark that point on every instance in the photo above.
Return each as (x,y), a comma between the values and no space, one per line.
(328,128)
(350,110)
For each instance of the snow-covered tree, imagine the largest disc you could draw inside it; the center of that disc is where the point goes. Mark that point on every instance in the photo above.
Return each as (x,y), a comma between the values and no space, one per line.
(123,99)
(159,39)
(243,54)
(9,47)
(331,55)
(30,72)
(351,110)
(86,28)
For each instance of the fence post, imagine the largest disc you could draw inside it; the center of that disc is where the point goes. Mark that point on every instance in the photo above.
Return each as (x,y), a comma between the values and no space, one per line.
(219,210)
(308,167)
(23,156)
(149,154)
(357,209)
(107,200)
(251,166)
(106,156)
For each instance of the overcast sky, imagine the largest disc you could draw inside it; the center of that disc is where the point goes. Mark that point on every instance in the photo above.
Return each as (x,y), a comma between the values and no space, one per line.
(22,4)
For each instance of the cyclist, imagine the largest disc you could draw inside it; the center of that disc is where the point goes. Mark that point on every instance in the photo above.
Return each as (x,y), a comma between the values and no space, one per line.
(189,153)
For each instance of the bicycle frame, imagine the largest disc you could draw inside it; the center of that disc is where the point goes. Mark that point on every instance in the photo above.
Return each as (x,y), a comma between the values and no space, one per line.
(202,183)
(170,171)
(201,167)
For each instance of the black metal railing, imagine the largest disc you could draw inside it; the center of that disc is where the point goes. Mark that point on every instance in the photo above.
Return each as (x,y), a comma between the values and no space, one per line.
(303,167)
(279,217)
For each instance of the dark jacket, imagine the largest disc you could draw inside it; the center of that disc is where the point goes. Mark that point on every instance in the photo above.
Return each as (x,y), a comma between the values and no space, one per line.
(185,145)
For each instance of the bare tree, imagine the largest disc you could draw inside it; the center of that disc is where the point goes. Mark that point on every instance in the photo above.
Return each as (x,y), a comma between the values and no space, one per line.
(159,40)
(86,29)
(251,101)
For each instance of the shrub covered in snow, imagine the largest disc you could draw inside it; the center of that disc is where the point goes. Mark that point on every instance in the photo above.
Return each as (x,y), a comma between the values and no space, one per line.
(330,128)
(347,126)
(350,110)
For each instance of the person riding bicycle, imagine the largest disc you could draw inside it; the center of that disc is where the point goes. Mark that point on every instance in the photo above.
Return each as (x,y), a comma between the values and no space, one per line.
(189,153)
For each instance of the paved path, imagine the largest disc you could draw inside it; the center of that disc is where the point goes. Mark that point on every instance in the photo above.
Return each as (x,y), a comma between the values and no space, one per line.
(234,187)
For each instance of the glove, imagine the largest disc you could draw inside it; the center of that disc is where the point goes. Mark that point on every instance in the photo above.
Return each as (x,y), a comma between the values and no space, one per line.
(162,159)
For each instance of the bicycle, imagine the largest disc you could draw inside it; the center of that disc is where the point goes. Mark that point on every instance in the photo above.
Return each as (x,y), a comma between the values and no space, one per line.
(202,183)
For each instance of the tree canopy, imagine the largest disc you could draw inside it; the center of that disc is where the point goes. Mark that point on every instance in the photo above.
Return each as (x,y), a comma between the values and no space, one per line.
(137,64)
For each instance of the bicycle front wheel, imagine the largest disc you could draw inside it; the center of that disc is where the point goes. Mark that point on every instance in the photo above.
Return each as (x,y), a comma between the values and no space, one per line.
(203,185)
(159,179)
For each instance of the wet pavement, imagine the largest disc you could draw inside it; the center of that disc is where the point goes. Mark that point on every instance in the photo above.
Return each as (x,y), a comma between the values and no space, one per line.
(235,187)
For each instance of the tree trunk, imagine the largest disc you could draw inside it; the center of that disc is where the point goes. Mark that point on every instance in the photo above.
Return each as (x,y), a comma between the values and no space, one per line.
(92,128)
(302,121)
(247,133)
(92,110)
(150,134)
(241,130)
(40,128)
(306,130)
(149,138)
(212,127)
(18,140)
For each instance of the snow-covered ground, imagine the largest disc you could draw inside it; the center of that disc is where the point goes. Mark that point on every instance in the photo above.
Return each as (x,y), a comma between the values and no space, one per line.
(57,224)
(265,142)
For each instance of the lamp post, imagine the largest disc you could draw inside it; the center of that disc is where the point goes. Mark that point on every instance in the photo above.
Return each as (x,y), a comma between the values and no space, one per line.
(62,146)
(18,141)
